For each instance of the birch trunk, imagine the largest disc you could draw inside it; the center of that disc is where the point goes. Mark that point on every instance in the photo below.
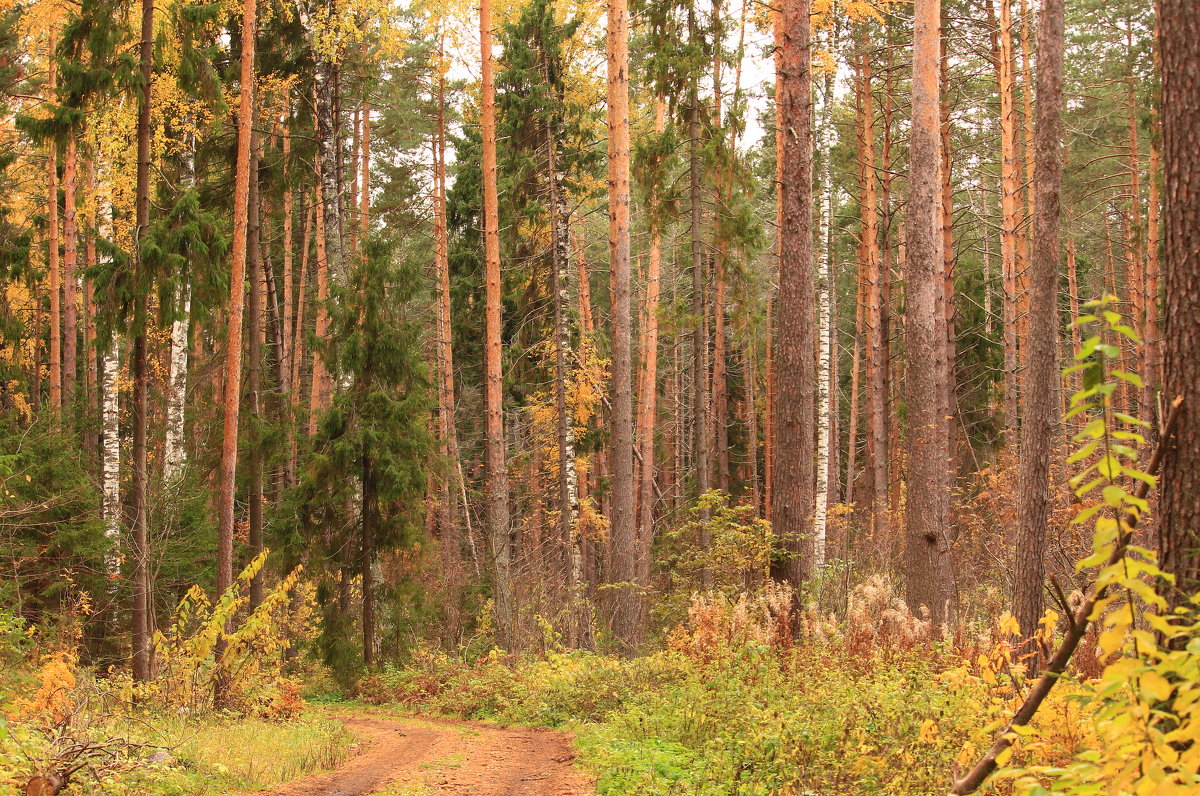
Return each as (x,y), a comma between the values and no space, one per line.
(110,457)
(824,315)
(174,454)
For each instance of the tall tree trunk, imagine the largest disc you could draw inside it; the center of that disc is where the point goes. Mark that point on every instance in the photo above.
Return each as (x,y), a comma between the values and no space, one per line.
(325,79)
(141,376)
(244,173)
(91,355)
(298,328)
(926,460)
(750,360)
(288,382)
(825,319)
(700,402)
(496,466)
(110,457)
(1009,186)
(1150,334)
(855,371)
(70,273)
(1135,268)
(320,388)
(1179,512)
(560,234)
(1039,407)
(876,342)
(628,605)
(648,394)
(52,247)
(254,275)
(887,478)
(370,513)
(174,453)
(795,344)
(947,354)
(1030,199)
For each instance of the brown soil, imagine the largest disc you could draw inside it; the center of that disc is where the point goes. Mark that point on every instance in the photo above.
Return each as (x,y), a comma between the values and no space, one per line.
(415,757)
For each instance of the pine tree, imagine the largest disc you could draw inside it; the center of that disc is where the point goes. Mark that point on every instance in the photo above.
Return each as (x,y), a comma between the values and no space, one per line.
(794,336)
(926,519)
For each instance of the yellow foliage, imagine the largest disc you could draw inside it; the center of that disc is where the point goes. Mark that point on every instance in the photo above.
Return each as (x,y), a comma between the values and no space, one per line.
(52,702)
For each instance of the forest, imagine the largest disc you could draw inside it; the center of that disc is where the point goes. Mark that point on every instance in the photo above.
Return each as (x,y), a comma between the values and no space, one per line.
(548,398)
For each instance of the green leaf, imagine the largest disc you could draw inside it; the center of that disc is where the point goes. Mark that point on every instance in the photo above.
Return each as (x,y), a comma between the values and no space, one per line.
(1132,378)
(1114,495)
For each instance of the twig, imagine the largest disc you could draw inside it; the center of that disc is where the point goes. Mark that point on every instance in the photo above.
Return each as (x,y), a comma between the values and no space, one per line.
(1077,628)
(1063,603)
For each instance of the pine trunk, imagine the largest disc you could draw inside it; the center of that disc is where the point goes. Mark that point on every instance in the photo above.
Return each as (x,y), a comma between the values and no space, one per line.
(52,248)
(648,395)
(1009,186)
(70,275)
(254,276)
(1179,511)
(926,460)
(629,608)
(141,376)
(496,465)
(1039,407)
(244,174)
(795,344)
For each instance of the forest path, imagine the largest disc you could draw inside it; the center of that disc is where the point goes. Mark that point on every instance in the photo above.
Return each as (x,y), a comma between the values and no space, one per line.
(425,757)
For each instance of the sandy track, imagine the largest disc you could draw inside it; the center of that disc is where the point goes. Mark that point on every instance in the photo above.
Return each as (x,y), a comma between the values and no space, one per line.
(415,757)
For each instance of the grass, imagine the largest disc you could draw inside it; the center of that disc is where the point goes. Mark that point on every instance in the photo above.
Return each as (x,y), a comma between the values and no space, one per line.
(256,754)
(219,755)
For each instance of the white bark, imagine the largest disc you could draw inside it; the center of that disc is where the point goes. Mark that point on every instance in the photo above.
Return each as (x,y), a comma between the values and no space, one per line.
(110,459)
(175,456)
(825,287)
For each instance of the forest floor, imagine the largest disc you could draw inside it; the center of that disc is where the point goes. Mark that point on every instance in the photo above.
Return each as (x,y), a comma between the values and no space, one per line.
(423,757)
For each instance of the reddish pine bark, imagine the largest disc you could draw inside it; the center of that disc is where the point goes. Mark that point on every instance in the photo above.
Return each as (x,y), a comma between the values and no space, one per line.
(237,295)
(1179,512)
(495,464)
(795,342)
(628,605)
(1039,409)
(926,519)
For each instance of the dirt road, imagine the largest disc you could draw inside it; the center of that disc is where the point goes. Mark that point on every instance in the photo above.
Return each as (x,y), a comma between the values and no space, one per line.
(420,757)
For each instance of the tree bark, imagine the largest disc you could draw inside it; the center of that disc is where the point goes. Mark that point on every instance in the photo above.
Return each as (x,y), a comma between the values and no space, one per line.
(1010,255)
(795,344)
(52,246)
(628,603)
(495,465)
(141,376)
(370,514)
(243,175)
(174,453)
(560,251)
(1039,407)
(700,393)
(876,342)
(70,274)
(319,390)
(926,450)
(825,319)
(254,275)
(1179,513)
(110,457)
